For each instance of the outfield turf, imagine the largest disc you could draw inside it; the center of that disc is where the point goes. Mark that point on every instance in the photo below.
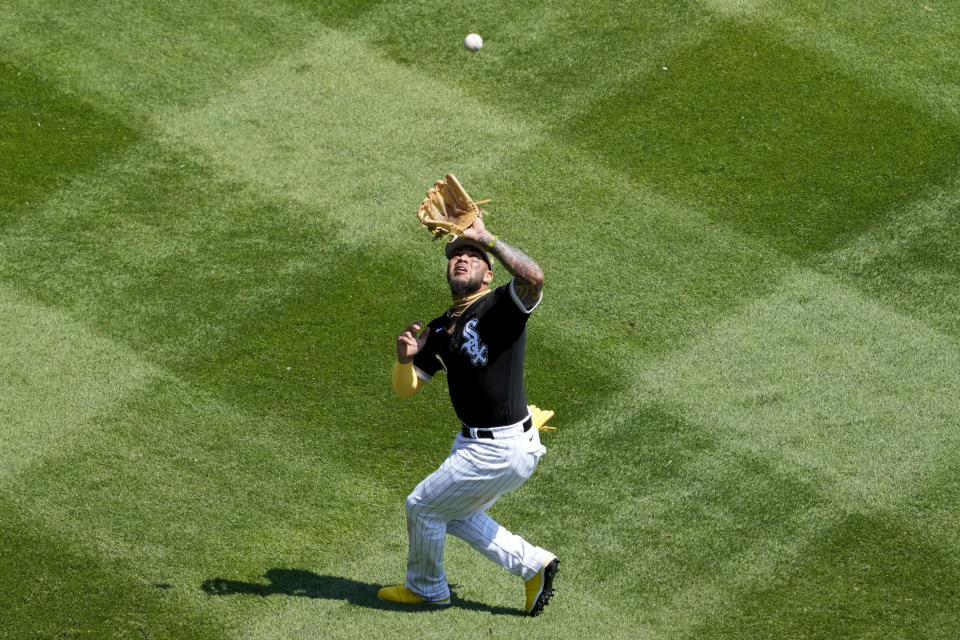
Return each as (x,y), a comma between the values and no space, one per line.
(747,211)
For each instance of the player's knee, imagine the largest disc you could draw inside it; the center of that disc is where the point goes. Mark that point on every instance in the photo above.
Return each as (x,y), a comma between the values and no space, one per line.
(411,505)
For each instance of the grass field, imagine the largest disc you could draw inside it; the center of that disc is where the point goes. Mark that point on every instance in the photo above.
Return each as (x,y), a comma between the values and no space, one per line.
(748,212)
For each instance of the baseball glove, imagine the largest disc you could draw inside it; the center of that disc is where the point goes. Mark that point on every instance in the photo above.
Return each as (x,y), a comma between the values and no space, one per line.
(540,418)
(448,209)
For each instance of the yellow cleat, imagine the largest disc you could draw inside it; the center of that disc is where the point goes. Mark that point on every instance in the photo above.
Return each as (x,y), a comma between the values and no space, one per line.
(540,587)
(401,595)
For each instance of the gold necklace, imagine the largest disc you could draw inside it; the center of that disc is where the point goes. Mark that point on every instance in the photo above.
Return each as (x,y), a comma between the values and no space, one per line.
(463,304)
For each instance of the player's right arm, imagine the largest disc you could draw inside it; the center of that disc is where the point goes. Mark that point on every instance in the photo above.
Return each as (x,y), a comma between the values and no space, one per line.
(406,382)
(527,275)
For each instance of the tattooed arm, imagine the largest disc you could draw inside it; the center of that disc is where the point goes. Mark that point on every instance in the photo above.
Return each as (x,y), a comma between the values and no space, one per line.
(528,276)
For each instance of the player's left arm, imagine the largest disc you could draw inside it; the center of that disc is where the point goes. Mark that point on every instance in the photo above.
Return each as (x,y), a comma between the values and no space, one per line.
(527,274)
(406,382)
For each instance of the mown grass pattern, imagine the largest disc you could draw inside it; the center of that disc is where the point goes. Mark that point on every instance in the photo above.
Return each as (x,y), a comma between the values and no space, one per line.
(746,212)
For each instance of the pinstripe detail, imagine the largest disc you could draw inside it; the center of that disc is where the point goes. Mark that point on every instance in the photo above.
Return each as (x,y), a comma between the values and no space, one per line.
(453,499)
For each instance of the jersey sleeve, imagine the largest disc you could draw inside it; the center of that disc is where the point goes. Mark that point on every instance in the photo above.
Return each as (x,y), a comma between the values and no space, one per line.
(509,308)
(426,363)
(516,299)
(508,316)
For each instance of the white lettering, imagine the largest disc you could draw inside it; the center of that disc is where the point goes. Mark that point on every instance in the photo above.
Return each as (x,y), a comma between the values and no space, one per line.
(474,348)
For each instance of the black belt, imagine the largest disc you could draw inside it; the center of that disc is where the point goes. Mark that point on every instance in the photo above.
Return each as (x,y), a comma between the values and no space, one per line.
(488,433)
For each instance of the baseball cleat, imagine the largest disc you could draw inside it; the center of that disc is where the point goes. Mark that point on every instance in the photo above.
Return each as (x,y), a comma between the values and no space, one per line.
(540,587)
(401,595)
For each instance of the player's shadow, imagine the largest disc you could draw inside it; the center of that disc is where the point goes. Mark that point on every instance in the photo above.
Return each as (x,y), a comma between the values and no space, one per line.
(306,584)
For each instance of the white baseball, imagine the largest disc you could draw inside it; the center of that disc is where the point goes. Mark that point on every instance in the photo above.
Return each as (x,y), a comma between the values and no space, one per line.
(473,42)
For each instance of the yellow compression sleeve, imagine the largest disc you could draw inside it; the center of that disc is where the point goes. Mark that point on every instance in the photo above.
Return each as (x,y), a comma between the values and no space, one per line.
(406,382)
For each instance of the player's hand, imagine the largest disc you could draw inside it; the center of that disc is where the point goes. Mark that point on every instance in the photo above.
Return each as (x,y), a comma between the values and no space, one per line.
(478,232)
(409,343)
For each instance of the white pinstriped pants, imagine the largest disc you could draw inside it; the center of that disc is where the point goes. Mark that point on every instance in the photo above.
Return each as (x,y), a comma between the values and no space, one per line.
(453,499)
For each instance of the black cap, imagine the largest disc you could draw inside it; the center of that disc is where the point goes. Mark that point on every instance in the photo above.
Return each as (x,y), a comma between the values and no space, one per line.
(465,242)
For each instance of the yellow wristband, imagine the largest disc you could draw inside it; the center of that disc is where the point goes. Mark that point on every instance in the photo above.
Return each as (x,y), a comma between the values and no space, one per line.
(492,242)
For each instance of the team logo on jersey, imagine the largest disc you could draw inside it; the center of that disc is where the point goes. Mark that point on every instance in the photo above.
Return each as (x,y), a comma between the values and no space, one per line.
(474,348)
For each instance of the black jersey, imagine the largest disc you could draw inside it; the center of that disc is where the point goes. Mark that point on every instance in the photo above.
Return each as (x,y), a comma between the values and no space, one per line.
(483,358)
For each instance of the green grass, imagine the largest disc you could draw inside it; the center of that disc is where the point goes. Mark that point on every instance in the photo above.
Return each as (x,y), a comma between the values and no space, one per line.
(768,139)
(46,137)
(746,212)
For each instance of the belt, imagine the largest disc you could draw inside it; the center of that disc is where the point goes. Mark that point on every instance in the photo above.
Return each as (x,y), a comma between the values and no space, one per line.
(495,432)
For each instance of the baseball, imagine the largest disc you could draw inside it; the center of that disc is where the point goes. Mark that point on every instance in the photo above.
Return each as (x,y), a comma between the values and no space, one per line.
(473,42)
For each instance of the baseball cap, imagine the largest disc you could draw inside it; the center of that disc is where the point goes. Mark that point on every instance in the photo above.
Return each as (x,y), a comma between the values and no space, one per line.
(464,242)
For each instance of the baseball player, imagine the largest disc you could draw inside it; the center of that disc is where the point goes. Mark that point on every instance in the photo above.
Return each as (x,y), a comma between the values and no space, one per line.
(480,343)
